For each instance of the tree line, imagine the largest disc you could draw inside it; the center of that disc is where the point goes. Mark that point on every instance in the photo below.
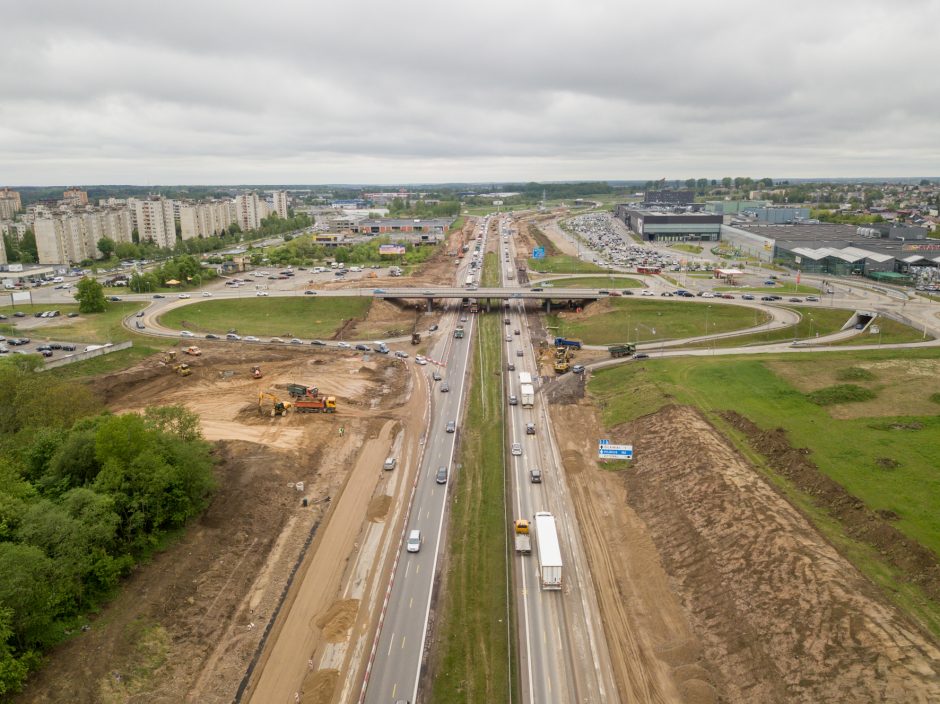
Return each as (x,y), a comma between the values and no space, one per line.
(84,496)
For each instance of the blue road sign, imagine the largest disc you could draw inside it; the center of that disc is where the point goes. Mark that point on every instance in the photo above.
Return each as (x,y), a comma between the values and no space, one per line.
(605,450)
(538,253)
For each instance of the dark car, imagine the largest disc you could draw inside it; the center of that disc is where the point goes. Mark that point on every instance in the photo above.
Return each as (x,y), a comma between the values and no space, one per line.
(627,292)
(530,428)
(68,348)
(114,299)
(535,475)
(140,314)
(767,298)
(433,328)
(212,336)
(795,300)
(19,314)
(45,353)
(538,288)
(511,367)
(308,292)
(55,346)
(747,297)
(317,342)
(72,315)
(363,348)
(641,355)
(451,426)
(158,295)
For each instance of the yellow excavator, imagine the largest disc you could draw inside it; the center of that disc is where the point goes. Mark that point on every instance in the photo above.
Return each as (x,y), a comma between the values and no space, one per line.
(269,404)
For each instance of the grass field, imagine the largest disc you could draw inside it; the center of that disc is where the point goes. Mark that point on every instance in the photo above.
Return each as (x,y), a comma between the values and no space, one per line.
(852,443)
(690,248)
(823,321)
(94,327)
(114,362)
(301,317)
(490,276)
(889,332)
(594,282)
(563,264)
(542,240)
(632,320)
(472,661)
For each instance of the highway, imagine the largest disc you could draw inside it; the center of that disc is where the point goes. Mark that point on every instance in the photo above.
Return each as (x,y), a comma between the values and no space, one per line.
(395,669)
(562,646)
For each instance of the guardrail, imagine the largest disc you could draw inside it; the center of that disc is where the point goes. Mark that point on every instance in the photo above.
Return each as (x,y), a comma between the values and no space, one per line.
(80,356)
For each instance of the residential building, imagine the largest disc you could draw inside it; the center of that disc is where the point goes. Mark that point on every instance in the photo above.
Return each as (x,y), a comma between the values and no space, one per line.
(14,229)
(280,204)
(75,196)
(3,252)
(250,210)
(10,204)
(155,222)
(68,237)
(206,218)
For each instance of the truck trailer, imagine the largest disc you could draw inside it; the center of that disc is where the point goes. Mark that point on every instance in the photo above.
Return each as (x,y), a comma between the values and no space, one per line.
(546,537)
(525,378)
(564,342)
(527,391)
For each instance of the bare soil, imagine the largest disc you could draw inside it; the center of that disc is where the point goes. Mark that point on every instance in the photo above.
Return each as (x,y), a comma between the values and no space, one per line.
(186,625)
(714,588)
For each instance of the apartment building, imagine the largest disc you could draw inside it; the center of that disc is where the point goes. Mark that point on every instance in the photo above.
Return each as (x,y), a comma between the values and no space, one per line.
(280,204)
(10,204)
(206,219)
(69,237)
(250,210)
(154,221)
(3,252)
(75,196)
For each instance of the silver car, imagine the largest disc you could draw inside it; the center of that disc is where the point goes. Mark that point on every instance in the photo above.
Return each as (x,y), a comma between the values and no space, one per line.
(516,449)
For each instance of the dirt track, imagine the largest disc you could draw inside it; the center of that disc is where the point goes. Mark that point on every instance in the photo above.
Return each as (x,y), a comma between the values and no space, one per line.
(187,624)
(713,588)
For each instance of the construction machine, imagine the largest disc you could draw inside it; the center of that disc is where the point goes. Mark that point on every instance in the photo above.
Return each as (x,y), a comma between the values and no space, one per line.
(256,372)
(311,404)
(183,369)
(269,404)
(169,357)
(302,391)
(193,350)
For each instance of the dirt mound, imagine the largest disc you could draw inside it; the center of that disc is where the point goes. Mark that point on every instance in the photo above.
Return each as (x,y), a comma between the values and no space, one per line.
(566,389)
(336,622)
(918,564)
(319,687)
(781,615)
(378,508)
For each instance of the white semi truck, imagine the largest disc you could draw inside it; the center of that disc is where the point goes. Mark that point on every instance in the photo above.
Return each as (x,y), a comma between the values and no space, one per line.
(527,391)
(546,537)
(525,378)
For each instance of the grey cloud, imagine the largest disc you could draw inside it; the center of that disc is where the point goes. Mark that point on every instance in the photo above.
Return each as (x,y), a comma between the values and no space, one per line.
(371,91)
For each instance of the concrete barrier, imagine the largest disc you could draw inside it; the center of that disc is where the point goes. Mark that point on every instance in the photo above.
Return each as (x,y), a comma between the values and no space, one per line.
(79,356)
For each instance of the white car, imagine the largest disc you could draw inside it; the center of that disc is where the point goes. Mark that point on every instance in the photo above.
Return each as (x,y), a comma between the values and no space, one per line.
(261,293)
(344,345)
(251,338)
(206,294)
(647,293)
(186,333)
(516,449)
(420,360)
(183,295)
(708,295)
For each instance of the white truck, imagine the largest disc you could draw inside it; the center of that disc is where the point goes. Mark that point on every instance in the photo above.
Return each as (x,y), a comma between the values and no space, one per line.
(546,537)
(525,378)
(527,391)
(523,542)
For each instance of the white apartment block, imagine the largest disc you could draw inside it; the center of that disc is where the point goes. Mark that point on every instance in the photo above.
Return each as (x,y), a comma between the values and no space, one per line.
(71,237)
(250,210)
(206,219)
(154,221)
(3,252)
(280,204)
(13,229)
(8,207)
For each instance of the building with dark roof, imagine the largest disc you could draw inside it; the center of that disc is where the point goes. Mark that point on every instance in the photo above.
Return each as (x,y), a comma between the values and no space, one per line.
(670,225)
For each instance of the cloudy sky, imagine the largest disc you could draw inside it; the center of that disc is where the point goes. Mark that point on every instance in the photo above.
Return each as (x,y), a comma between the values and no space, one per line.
(436,90)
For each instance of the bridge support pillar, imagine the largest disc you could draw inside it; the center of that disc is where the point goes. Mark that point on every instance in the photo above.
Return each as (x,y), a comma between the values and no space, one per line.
(430,305)
(548,306)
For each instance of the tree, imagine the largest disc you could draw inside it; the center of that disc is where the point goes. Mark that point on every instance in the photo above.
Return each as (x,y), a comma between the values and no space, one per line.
(106,247)
(727,181)
(28,252)
(13,671)
(90,296)
(125,250)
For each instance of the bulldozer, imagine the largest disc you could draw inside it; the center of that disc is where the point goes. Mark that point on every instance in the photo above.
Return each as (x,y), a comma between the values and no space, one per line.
(256,372)
(169,357)
(269,404)
(183,369)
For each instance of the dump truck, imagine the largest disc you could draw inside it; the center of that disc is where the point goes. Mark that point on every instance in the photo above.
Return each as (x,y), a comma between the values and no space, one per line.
(623,350)
(309,404)
(302,391)
(522,539)
(527,391)
(458,332)
(564,342)
(550,565)
(193,350)
(256,372)
(474,307)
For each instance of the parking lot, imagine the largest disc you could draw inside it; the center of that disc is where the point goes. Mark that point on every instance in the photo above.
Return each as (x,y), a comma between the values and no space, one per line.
(597,232)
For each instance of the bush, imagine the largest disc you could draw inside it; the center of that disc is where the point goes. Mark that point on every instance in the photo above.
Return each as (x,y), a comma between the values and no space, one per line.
(854,374)
(840,393)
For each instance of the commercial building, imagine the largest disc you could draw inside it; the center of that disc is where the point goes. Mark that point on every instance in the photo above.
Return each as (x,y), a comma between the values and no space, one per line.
(878,251)
(733,207)
(670,197)
(280,204)
(670,226)
(421,231)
